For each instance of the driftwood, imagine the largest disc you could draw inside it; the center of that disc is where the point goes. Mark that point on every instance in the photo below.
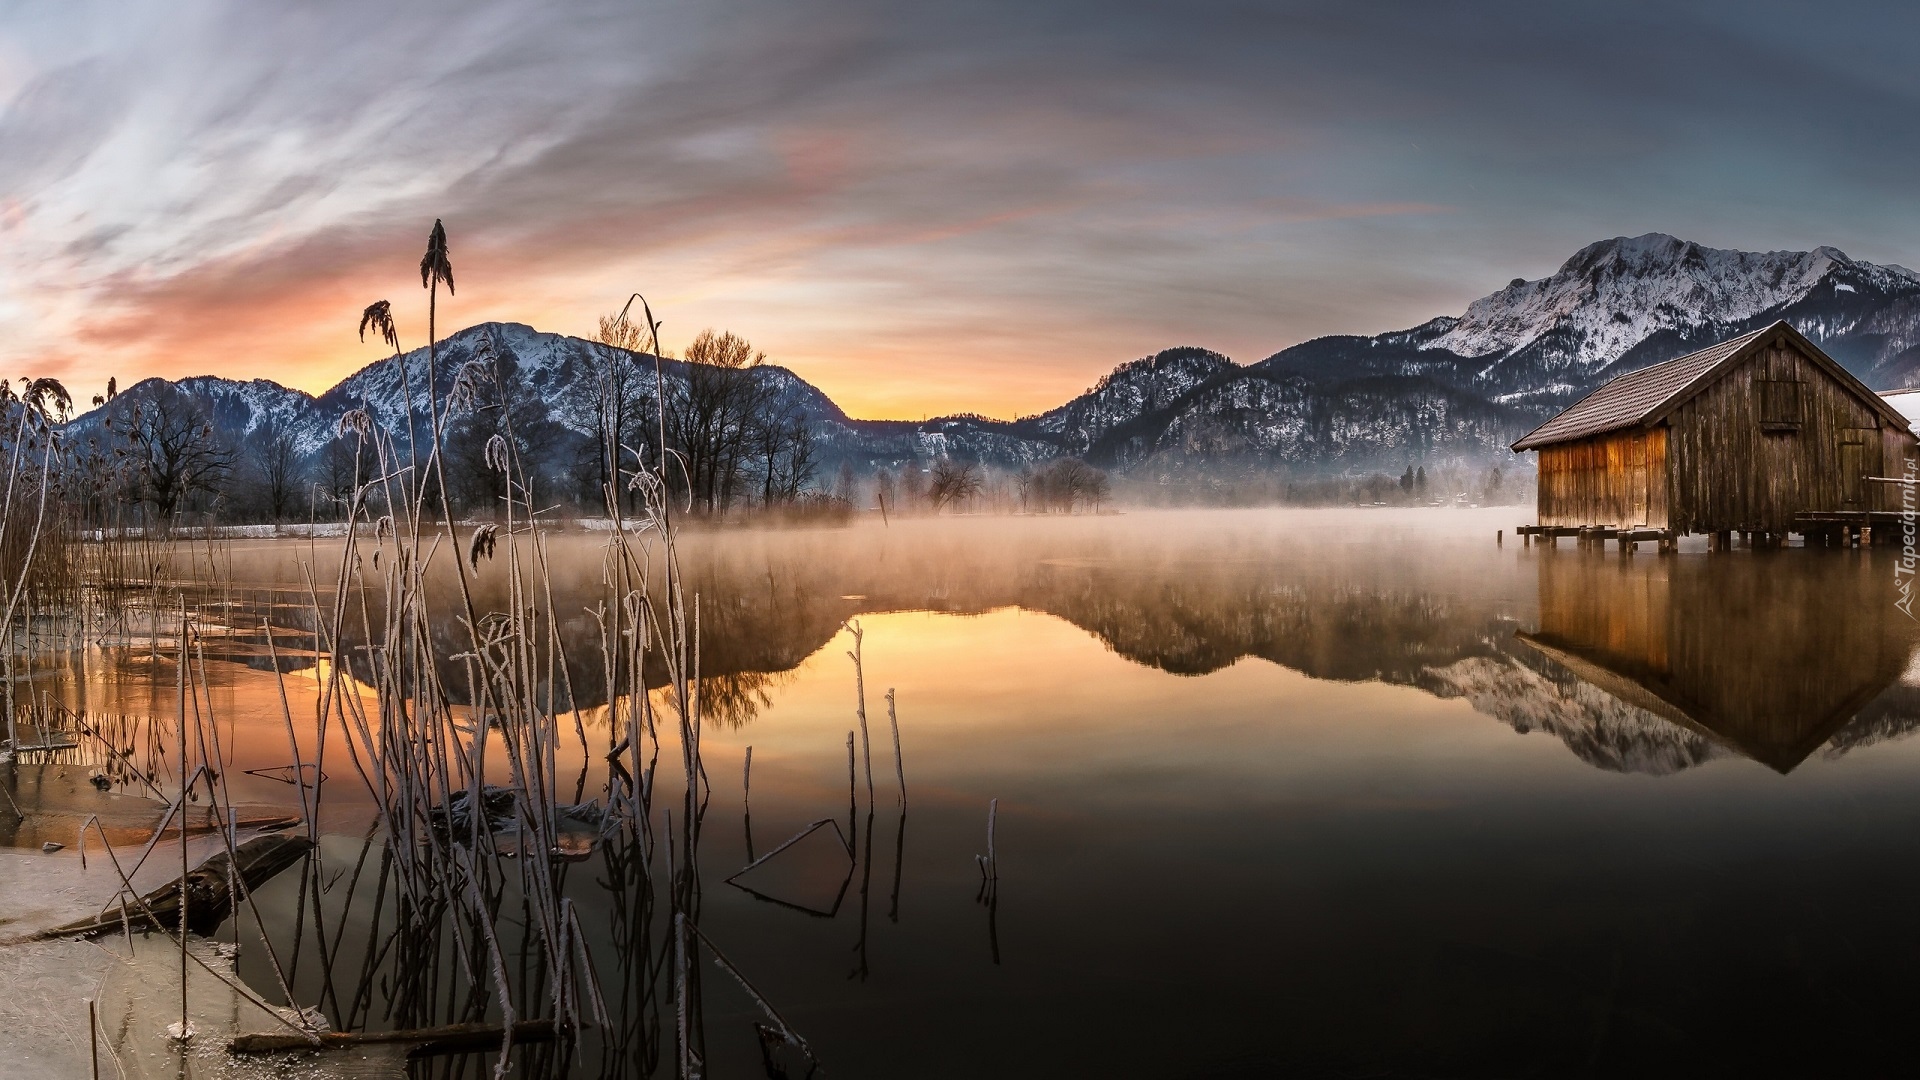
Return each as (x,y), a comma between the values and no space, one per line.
(452,1039)
(208,899)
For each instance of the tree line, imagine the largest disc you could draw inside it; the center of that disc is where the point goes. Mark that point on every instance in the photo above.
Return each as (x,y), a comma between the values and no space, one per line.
(731,441)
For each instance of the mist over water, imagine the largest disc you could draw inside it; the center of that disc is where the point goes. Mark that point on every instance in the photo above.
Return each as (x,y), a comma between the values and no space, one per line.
(1280,793)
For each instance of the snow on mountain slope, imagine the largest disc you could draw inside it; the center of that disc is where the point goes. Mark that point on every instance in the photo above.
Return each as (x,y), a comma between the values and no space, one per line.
(1453,386)
(1600,729)
(1612,295)
(1132,391)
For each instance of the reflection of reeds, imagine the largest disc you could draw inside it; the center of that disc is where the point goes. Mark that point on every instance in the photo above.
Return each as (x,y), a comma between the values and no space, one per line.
(990,882)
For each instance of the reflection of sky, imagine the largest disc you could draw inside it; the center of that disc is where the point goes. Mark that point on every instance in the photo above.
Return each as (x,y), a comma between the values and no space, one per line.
(1258,865)
(923,208)
(1027,707)
(1253,863)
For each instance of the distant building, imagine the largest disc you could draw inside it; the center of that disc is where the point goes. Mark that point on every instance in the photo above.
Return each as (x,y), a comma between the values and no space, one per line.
(1763,434)
(1906,401)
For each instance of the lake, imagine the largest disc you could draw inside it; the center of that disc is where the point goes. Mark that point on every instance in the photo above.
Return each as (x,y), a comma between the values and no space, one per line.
(1279,793)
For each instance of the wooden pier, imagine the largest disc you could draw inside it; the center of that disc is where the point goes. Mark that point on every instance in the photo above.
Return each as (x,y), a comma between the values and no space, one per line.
(1596,536)
(1833,528)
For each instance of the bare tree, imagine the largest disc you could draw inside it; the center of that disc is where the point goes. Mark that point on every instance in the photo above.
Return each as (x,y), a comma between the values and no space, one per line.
(955,483)
(619,400)
(800,464)
(1067,484)
(711,419)
(275,459)
(347,461)
(492,410)
(180,453)
(769,439)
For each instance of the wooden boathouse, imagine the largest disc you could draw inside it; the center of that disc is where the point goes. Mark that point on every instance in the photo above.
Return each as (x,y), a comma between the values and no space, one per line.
(1762,435)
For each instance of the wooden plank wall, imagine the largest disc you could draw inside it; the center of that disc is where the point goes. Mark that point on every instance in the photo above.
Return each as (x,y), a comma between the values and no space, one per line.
(1614,479)
(1896,447)
(1733,468)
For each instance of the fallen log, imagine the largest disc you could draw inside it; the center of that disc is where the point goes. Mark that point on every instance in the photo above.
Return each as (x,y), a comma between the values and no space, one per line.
(253,864)
(452,1039)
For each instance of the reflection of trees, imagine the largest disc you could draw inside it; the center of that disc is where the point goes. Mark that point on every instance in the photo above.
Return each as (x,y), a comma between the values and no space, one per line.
(733,700)
(1683,658)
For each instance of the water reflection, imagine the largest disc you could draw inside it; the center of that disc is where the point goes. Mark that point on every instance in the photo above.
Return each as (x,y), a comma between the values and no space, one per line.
(1261,812)
(1767,659)
(1649,665)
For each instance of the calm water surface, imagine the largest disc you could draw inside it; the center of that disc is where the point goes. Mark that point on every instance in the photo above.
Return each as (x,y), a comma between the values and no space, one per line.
(1280,794)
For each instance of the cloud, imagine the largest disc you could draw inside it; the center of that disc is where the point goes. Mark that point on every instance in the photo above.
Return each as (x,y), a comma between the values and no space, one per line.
(930,207)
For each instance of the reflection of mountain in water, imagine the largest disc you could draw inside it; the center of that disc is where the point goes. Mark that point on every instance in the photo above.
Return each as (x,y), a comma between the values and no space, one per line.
(1644,665)
(1657,664)
(1601,729)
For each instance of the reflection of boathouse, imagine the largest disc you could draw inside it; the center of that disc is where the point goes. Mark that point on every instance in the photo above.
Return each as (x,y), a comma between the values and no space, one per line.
(1704,645)
(1762,434)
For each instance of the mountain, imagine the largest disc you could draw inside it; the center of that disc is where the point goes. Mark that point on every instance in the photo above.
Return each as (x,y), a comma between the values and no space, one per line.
(1625,303)
(1452,388)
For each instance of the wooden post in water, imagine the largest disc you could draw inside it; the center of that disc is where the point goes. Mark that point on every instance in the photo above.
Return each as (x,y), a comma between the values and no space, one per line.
(899,766)
(860,706)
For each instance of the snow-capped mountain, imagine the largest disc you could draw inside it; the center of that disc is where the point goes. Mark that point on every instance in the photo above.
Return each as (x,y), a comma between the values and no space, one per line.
(1452,387)
(1613,295)
(1624,303)
(1133,392)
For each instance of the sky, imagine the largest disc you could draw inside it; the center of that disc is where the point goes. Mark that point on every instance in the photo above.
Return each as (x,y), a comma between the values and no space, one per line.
(923,208)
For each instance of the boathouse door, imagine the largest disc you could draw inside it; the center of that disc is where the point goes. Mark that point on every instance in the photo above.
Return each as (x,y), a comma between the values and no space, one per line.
(1637,501)
(1853,472)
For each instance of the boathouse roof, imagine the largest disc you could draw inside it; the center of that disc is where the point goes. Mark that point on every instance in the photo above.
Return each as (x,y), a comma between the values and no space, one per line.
(1645,396)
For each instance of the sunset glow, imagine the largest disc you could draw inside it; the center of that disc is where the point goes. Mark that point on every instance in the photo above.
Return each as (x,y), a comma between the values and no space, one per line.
(921,211)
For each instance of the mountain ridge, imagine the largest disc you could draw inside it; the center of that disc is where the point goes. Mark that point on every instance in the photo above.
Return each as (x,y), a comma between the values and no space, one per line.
(1452,387)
